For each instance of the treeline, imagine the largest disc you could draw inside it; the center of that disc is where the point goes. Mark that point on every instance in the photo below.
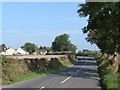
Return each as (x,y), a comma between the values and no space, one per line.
(60,44)
(103,30)
(103,26)
(86,52)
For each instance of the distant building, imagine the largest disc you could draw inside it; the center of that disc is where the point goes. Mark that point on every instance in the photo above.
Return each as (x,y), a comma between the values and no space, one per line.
(2,53)
(10,51)
(43,52)
(34,53)
(21,51)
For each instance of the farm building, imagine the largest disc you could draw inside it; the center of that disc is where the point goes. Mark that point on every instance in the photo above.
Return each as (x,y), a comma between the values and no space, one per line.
(21,51)
(10,51)
(43,52)
(2,53)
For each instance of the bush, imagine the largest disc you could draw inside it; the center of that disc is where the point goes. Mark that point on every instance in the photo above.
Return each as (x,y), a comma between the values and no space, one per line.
(55,63)
(36,65)
(90,53)
(72,58)
(12,68)
(109,79)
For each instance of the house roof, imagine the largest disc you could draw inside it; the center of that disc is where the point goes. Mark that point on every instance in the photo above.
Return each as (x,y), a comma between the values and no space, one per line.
(10,49)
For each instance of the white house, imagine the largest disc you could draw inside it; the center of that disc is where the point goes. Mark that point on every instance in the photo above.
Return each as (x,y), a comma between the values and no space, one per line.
(43,52)
(21,51)
(10,51)
(34,53)
(2,53)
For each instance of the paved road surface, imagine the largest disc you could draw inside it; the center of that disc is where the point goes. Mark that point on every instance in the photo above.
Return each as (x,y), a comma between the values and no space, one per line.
(83,75)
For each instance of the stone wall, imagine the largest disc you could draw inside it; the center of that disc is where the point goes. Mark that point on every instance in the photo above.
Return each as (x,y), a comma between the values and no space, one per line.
(117,62)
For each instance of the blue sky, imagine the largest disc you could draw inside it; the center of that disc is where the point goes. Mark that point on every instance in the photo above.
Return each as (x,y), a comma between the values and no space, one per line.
(40,23)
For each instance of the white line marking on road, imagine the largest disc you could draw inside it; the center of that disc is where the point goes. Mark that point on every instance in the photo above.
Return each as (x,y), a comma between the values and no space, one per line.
(81,67)
(75,72)
(42,87)
(66,79)
(78,70)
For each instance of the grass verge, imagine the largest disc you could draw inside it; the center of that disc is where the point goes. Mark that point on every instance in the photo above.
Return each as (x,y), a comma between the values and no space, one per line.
(109,79)
(30,75)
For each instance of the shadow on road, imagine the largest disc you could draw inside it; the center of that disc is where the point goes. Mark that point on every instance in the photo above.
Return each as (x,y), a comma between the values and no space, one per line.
(88,72)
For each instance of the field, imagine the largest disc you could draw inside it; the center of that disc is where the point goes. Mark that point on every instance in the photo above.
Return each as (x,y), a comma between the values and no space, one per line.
(37,56)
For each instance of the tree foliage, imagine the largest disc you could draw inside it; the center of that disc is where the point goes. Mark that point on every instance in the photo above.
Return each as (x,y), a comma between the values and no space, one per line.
(62,43)
(103,27)
(30,47)
(44,48)
(2,47)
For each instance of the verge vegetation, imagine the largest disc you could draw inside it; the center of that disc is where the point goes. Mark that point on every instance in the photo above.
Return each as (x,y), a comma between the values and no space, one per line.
(109,79)
(14,70)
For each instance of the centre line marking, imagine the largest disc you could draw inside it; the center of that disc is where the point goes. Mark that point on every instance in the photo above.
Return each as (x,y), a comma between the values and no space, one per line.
(75,72)
(66,79)
(42,87)
(81,67)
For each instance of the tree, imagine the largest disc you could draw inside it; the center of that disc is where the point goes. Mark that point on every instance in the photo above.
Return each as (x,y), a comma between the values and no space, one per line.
(2,47)
(103,25)
(44,48)
(30,47)
(62,43)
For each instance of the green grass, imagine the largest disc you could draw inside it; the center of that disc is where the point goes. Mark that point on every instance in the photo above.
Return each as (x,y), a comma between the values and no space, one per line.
(0,81)
(109,79)
(69,64)
(31,75)
(26,76)
(15,70)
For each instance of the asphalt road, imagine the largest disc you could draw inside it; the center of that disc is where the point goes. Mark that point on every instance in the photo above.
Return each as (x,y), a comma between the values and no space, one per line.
(82,75)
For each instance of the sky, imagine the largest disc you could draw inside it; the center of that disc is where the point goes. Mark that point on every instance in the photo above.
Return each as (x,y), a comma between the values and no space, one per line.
(41,22)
